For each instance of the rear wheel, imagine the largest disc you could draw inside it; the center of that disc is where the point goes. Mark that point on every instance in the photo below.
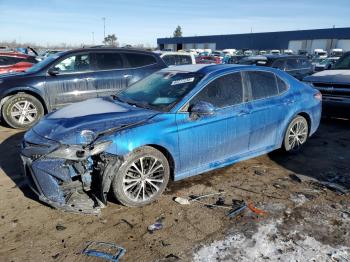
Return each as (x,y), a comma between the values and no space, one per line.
(142,177)
(22,111)
(296,134)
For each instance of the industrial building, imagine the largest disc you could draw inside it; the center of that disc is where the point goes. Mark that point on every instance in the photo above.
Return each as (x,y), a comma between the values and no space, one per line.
(308,40)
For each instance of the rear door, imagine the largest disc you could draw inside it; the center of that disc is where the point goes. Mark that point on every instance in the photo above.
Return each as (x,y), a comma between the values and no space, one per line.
(264,107)
(293,68)
(71,84)
(111,73)
(141,65)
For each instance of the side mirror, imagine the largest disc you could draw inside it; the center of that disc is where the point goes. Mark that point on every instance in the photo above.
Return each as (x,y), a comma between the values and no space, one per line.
(53,71)
(201,108)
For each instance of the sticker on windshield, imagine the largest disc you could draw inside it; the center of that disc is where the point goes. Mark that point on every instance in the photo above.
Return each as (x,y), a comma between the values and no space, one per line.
(182,81)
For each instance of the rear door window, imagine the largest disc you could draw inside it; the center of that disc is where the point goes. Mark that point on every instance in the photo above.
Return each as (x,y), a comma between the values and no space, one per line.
(282,86)
(183,60)
(108,61)
(263,84)
(224,91)
(291,64)
(139,60)
(169,60)
(279,64)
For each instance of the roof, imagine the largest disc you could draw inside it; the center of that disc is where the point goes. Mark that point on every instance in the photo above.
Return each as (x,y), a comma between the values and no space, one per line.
(202,68)
(90,49)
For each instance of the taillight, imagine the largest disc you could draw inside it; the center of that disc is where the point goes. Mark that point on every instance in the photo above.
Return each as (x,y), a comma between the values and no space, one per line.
(318,96)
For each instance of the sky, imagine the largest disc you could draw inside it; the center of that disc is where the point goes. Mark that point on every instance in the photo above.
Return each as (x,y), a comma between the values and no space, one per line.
(134,22)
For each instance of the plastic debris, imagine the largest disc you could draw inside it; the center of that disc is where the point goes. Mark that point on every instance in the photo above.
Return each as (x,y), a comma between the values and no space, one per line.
(104,250)
(182,201)
(257,211)
(238,207)
(156,226)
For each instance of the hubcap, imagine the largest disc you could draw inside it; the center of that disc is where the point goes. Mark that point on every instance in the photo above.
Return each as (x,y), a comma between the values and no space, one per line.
(143,178)
(24,112)
(297,134)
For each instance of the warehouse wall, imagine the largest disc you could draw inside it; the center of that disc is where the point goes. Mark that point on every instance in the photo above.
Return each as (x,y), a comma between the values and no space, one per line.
(262,41)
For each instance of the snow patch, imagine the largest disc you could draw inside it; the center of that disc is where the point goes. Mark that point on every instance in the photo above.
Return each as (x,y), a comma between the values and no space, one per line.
(268,244)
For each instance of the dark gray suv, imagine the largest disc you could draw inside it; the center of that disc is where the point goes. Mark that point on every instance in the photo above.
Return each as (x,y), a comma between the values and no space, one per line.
(69,77)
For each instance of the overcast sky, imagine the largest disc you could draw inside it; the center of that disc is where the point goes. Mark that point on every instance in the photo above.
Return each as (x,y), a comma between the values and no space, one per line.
(143,21)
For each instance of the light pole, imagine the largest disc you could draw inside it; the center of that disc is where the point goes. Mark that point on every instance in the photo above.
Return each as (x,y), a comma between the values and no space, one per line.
(104,27)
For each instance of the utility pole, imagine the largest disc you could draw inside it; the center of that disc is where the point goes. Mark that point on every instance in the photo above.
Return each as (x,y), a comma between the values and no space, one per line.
(93,38)
(104,27)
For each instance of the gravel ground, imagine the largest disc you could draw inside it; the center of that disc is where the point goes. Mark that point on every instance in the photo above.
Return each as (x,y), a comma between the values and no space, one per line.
(304,220)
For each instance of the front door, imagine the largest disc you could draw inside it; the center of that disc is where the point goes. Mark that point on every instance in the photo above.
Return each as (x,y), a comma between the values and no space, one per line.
(207,140)
(70,82)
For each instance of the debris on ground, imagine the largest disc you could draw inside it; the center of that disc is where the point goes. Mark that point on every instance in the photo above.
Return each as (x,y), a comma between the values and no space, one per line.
(238,207)
(182,201)
(255,210)
(156,226)
(104,250)
(60,227)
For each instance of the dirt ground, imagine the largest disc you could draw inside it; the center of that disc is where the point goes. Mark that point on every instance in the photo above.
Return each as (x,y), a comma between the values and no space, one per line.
(304,222)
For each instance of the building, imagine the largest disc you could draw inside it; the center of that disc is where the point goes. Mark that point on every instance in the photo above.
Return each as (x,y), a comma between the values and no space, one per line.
(308,40)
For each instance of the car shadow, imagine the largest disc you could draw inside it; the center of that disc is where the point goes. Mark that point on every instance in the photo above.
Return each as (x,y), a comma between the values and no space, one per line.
(11,163)
(325,156)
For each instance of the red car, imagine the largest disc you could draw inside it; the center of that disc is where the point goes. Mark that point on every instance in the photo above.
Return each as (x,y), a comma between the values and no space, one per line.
(15,62)
(208,60)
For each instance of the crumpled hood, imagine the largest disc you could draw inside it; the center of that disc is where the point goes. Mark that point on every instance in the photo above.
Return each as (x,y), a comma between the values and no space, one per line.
(330,76)
(98,115)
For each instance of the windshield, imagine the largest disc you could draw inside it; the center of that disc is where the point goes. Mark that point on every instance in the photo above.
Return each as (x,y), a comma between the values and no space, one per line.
(42,64)
(161,90)
(342,63)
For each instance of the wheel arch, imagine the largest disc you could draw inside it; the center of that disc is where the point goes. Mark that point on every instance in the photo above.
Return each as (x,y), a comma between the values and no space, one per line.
(24,91)
(168,156)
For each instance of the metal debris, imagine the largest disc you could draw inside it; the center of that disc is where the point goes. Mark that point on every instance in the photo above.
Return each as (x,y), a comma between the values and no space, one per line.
(104,250)
(238,207)
(156,226)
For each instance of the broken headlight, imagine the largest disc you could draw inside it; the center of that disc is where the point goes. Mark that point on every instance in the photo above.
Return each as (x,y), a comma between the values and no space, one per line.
(87,136)
(76,152)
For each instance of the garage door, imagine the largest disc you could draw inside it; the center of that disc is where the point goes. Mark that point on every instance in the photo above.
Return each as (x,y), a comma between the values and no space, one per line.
(344,44)
(319,44)
(295,45)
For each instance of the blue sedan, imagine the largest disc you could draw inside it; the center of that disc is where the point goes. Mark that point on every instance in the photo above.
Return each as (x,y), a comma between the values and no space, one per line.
(175,123)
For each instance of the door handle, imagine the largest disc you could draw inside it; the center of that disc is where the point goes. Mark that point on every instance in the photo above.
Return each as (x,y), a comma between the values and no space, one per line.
(243,113)
(126,76)
(289,101)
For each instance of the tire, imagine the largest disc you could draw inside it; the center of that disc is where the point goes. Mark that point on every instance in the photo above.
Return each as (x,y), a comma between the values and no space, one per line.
(22,111)
(296,134)
(138,190)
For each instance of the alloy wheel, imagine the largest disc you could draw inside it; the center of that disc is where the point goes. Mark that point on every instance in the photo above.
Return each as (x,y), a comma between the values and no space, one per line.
(297,134)
(24,112)
(143,178)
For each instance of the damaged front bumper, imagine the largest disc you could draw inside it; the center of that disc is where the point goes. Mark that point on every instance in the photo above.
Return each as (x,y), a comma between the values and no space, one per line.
(77,184)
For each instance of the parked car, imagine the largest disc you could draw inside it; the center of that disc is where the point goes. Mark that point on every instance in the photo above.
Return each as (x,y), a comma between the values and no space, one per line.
(15,62)
(325,64)
(297,66)
(334,85)
(176,123)
(69,77)
(275,52)
(230,52)
(337,52)
(208,59)
(320,53)
(235,59)
(177,58)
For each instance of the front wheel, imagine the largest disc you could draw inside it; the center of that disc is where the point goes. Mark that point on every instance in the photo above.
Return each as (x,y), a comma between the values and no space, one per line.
(142,177)
(296,134)
(22,111)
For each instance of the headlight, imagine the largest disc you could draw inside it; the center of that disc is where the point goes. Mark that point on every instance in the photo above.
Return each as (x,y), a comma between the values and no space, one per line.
(87,137)
(76,152)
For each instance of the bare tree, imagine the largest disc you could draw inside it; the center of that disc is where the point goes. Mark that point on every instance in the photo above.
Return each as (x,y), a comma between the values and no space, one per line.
(178,31)
(111,40)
